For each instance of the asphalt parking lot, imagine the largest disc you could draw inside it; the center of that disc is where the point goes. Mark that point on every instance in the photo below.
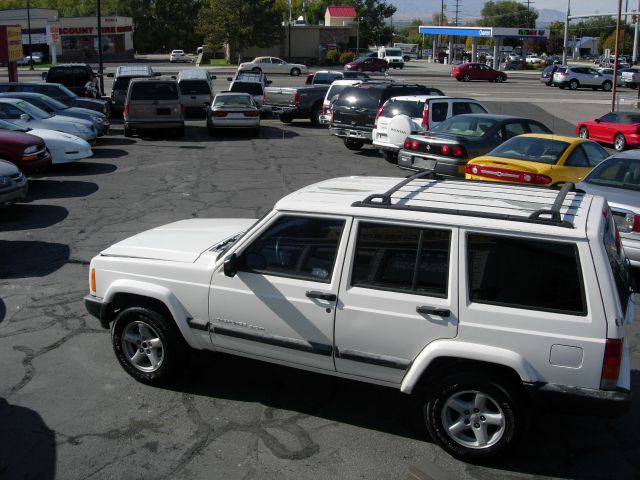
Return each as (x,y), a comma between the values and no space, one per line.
(69,411)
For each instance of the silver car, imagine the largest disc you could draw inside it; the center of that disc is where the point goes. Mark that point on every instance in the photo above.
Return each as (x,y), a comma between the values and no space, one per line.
(233,110)
(582,77)
(13,184)
(26,115)
(618,180)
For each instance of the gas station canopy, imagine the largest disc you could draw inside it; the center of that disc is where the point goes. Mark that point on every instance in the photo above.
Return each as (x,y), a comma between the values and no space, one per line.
(485,32)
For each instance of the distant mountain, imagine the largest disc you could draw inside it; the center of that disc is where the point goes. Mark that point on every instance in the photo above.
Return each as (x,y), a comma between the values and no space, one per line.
(469,10)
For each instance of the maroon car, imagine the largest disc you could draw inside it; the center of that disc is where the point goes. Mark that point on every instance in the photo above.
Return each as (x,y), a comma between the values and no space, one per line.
(27,152)
(476,71)
(368,64)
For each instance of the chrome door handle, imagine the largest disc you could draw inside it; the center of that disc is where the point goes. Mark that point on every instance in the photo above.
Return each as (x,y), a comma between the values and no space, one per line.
(331,297)
(441,312)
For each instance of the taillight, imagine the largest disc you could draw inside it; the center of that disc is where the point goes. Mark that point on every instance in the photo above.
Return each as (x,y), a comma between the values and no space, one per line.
(251,114)
(407,142)
(562,74)
(636,224)
(444,149)
(414,145)
(219,114)
(296,99)
(425,116)
(506,174)
(457,151)
(125,114)
(611,363)
(378,113)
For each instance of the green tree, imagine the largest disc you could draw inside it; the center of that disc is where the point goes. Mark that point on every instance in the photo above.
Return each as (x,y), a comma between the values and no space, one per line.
(626,42)
(373,28)
(555,42)
(508,13)
(410,34)
(241,23)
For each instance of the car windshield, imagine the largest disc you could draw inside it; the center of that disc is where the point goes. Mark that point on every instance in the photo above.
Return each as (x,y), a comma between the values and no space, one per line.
(33,110)
(531,149)
(617,173)
(52,103)
(466,126)
(233,101)
(252,88)
(4,125)
(194,87)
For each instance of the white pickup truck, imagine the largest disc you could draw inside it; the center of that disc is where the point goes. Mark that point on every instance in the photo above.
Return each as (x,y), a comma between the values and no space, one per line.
(479,299)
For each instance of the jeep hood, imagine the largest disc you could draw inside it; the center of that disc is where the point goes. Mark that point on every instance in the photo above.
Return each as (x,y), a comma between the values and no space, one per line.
(182,241)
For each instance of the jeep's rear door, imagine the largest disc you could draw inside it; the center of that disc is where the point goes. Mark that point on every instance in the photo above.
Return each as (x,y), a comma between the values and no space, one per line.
(356,107)
(398,293)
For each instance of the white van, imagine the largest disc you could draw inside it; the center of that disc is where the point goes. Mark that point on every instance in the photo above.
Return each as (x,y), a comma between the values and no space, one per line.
(334,90)
(196,88)
(409,50)
(393,56)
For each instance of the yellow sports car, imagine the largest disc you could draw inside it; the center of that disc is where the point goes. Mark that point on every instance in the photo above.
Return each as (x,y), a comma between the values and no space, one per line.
(537,159)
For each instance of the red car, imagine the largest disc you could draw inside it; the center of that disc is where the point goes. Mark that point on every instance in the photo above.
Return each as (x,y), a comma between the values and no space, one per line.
(620,129)
(477,71)
(27,152)
(368,64)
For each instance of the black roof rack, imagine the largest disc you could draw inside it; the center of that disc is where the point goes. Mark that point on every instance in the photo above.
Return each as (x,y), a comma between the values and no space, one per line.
(543,216)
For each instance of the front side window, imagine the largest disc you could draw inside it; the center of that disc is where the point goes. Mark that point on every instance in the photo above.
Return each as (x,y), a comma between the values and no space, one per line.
(402,259)
(609,118)
(299,247)
(525,273)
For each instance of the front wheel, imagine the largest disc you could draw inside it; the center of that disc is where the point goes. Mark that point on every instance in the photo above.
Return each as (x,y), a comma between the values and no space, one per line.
(619,142)
(474,417)
(606,85)
(466,77)
(352,144)
(584,132)
(391,157)
(295,72)
(499,79)
(148,345)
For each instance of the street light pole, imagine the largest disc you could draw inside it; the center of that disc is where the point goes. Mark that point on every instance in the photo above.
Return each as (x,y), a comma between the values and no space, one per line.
(289,32)
(29,27)
(615,58)
(100,48)
(566,34)
(357,36)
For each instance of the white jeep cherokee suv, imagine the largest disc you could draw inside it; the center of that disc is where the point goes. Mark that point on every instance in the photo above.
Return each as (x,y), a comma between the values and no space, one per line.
(480,299)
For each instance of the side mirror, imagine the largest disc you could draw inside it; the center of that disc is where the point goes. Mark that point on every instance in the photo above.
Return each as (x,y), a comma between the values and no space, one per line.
(231,265)
(44,76)
(25,117)
(229,79)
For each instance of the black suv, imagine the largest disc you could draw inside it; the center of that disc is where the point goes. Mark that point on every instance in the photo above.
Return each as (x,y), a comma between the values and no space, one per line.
(77,77)
(354,111)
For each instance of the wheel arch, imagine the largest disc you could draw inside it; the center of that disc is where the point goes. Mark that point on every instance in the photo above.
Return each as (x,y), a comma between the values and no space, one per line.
(126,293)
(443,357)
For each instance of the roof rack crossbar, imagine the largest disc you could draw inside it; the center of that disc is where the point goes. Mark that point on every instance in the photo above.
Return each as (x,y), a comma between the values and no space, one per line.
(385,198)
(554,211)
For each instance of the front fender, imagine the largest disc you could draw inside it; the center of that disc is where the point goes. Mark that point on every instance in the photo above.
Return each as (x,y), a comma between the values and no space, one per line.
(160,293)
(466,351)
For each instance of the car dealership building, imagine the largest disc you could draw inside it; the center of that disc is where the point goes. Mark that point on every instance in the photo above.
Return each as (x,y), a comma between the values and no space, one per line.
(75,38)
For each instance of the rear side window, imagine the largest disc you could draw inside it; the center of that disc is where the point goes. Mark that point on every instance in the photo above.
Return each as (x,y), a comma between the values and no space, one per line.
(617,261)
(402,259)
(154,91)
(525,273)
(194,87)
(412,109)
(460,108)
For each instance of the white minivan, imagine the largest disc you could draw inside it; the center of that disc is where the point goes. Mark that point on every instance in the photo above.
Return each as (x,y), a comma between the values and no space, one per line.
(400,117)
(196,87)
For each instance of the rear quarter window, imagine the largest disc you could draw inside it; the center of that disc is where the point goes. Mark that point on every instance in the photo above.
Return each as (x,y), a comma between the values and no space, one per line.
(412,109)
(525,273)
(154,91)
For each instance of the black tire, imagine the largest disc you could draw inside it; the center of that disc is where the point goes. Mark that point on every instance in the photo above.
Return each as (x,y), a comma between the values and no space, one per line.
(352,144)
(316,113)
(561,87)
(295,72)
(256,132)
(286,118)
(549,84)
(180,131)
(127,132)
(619,142)
(606,85)
(502,403)
(391,157)
(466,77)
(584,132)
(574,84)
(212,131)
(171,355)
(406,58)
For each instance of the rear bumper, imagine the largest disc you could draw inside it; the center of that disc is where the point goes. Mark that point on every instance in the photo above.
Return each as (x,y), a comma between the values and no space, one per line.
(154,124)
(606,403)
(445,167)
(364,135)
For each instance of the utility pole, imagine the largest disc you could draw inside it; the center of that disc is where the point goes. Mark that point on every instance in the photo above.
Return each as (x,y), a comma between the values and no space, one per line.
(439,37)
(29,27)
(566,34)
(615,58)
(100,69)
(635,36)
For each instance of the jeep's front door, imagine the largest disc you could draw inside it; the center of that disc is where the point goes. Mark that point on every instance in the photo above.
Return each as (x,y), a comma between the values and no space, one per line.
(281,302)
(399,292)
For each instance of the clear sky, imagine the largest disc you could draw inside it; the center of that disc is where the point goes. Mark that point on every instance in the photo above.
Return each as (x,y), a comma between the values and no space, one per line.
(579,7)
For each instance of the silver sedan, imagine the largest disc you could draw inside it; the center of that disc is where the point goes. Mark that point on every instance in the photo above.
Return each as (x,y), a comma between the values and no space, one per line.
(233,110)
(618,180)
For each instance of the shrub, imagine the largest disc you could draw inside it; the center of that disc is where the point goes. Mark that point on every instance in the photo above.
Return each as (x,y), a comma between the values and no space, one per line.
(333,57)
(347,57)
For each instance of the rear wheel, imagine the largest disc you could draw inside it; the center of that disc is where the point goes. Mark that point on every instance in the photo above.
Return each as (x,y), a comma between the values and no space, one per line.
(352,144)
(474,416)
(619,142)
(391,157)
(148,345)
(574,84)
(606,85)
(295,72)
(316,113)
(584,132)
